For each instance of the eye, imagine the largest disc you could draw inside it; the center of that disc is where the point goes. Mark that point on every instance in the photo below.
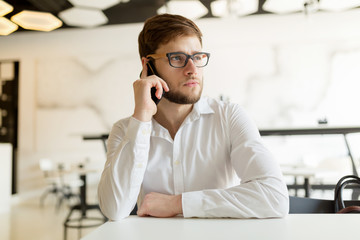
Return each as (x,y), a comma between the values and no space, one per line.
(198,57)
(177,57)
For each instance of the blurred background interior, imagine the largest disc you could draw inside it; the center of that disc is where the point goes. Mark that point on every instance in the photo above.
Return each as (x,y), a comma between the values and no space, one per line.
(66,73)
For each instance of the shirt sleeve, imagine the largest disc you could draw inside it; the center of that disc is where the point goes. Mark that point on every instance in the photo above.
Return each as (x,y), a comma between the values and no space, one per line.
(127,156)
(262,192)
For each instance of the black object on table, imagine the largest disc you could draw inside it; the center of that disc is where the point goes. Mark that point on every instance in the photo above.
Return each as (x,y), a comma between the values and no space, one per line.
(102,137)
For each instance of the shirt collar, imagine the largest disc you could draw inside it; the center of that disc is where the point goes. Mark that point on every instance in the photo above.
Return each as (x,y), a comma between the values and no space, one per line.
(200,107)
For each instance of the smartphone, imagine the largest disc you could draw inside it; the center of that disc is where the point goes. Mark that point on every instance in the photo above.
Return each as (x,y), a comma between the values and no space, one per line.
(152,71)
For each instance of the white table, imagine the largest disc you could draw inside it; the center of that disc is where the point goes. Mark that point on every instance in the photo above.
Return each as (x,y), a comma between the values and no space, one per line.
(293,227)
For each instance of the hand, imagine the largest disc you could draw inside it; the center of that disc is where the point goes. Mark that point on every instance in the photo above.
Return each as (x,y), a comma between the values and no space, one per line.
(160,205)
(145,107)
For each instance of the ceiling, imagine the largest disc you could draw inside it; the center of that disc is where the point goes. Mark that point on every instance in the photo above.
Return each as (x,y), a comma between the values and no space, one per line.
(132,11)
(136,11)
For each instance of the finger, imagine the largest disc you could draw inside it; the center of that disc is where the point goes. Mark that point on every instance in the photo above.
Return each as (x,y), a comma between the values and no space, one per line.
(159,89)
(160,85)
(141,212)
(164,85)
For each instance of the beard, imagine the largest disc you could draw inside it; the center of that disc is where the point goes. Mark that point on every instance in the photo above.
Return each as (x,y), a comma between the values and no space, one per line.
(180,98)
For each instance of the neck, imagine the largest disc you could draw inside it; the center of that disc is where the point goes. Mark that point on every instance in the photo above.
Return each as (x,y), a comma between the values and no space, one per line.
(171,115)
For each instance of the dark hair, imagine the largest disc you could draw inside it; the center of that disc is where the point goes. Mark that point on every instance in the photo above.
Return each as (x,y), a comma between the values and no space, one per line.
(163,28)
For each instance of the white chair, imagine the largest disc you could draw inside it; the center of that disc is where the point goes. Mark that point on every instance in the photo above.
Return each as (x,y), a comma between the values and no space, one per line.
(70,184)
(62,183)
(52,179)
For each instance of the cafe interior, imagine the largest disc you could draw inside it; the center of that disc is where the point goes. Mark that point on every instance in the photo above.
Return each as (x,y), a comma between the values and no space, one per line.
(66,73)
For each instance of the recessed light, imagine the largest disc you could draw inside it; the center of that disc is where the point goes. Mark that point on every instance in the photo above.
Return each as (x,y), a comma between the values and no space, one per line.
(81,17)
(99,4)
(33,20)
(335,5)
(283,6)
(192,9)
(224,8)
(7,27)
(5,8)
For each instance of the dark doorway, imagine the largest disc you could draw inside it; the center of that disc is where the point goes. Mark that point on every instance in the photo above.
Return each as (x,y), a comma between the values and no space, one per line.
(9,89)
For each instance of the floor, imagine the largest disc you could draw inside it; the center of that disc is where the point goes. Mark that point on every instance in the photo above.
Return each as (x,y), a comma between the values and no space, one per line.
(28,220)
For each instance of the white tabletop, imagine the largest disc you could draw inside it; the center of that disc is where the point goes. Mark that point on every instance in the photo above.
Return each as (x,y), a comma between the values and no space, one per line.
(293,227)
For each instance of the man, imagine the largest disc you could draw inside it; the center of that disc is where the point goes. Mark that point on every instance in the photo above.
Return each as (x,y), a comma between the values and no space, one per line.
(188,155)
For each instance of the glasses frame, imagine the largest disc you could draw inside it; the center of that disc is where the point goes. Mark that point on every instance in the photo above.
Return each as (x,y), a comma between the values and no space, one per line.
(168,56)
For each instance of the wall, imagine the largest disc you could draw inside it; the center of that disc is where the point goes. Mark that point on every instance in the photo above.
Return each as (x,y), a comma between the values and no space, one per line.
(5,176)
(286,70)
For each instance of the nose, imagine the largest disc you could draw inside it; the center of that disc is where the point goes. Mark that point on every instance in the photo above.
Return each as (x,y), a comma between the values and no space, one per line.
(190,68)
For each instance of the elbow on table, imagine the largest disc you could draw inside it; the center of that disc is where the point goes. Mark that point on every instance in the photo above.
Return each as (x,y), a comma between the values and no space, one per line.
(281,206)
(111,212)
(278,199)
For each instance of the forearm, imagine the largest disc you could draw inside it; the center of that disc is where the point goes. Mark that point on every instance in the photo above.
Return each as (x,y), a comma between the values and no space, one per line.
(118,189)
(124,170)
(263,198)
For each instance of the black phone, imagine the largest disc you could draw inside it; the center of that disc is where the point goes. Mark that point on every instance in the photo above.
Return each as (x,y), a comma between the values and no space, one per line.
(152,71)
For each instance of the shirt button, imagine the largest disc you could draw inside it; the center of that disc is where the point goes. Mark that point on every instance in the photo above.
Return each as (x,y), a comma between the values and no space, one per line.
(177,162)
(145,131)
(139,165)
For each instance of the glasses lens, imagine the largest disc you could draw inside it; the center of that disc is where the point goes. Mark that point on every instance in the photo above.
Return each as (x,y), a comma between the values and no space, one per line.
(200,59)
(177,59)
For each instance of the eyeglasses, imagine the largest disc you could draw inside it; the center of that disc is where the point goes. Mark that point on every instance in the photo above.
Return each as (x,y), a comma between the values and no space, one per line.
(180,59)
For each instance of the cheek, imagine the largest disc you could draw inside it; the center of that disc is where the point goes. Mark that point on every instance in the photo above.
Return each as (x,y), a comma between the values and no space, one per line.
(170,76)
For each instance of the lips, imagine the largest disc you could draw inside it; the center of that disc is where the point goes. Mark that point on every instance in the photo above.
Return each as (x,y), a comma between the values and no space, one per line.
(191,83)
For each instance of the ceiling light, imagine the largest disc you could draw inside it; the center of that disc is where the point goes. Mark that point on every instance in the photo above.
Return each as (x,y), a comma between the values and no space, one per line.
(336,5)
(219,8)
(7,27)
(283,6)
(223,8)
(5,8)
(99,4)
(40,21)
(189,9)
(81,17)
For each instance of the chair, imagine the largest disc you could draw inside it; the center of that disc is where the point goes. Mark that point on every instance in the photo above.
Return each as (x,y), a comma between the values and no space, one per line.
(61,184)
(68,181)
(51,178)
(82,221)
(312,205)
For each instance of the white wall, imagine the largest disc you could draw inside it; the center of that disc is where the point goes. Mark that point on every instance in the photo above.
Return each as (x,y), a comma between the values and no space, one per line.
(5,176)
(286,70)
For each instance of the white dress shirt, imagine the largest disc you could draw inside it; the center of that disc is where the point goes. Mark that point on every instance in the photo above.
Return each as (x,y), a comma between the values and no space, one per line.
(217,161)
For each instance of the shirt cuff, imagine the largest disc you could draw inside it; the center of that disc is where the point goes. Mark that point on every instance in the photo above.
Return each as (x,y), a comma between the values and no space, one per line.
(138,132)
(192,204)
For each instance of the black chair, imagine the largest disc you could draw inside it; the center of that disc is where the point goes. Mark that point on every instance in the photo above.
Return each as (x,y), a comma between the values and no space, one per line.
(134,211)
(83,221)
(312,205)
